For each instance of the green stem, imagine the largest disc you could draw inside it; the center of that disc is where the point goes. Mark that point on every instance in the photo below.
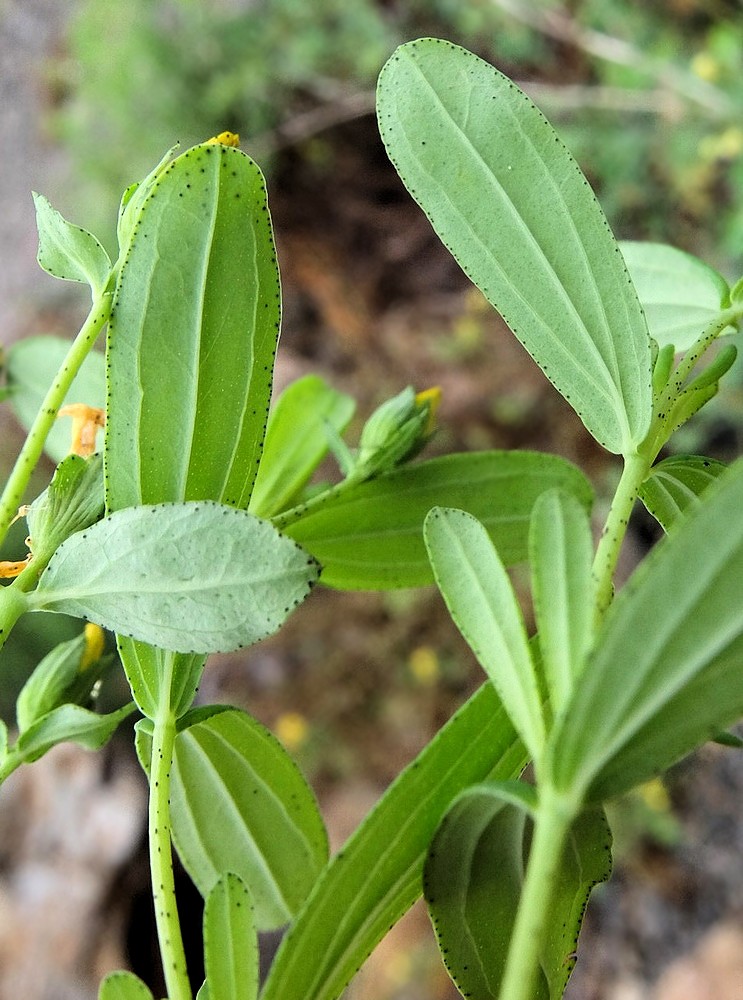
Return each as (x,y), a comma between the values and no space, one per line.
(294,514)
(34,445)
(635,471)
(552,824)
(13,603)
(161,852)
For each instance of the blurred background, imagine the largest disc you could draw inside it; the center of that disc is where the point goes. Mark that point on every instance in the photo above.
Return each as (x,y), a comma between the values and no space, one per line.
(649,97)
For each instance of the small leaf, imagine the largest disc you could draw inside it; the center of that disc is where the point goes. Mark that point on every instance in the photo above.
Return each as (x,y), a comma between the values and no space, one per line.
(67,251)
(67,674)
(297,441)
(561,555)
(123,986)
(665,675)
(473,880)
(480,599)
(376,876)
(33,364)
(679,293)
(511,204)
(230,941)
(146,666)
(69,724)
(240,804)
(194,577)
(675,485)
(72,502)
(472,885)
(371,537)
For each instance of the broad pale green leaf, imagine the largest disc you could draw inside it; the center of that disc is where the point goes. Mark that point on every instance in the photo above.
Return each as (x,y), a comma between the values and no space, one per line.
(679,293)
(69,724)
(297,441)
(32,366)
(123,986)
(478,593)
(665,675)
(676,484)
(371,537)
(230,941)
(561,555)
(194,577)
(473,878)
(240,804)
(511,204)
(192,335)
(376,876)
(67,251)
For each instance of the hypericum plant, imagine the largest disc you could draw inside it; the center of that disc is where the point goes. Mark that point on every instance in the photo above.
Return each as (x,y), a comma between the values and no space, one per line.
(199,529)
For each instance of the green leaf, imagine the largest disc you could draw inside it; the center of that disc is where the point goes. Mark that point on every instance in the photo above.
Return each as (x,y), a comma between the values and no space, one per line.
(230,941)
(192,335)
(72,502)
(145,666)
(371,537)
(676,484)
(587,861)
(511,204)
(472,885)
(561,556)
(376,876)
(67,251)
(123,986)
(665,675)
(67,674)
(473,879)
(33,364)
(478,593)
(194,577)
(297,441)
(240,804)
(679,293)
(69,724)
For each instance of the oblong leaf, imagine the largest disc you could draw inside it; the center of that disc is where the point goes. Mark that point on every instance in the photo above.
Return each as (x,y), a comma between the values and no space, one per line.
(32,365)
(230,941)
(676,484)
(478,593)
(679,293)
(561,556)
(192,335)
(193,577)
(297,441)
(240,804)
(665,675)
(371,537)
(511,204)
(376,876)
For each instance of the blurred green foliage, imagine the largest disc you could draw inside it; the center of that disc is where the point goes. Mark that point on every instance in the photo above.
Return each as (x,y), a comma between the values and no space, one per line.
(648,96)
